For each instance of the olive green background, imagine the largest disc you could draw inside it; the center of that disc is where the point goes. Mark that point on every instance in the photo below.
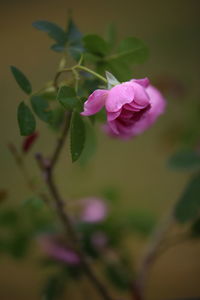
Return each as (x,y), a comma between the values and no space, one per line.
(137,168)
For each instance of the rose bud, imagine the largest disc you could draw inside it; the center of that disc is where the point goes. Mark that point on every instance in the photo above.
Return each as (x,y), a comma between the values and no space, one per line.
(29,141)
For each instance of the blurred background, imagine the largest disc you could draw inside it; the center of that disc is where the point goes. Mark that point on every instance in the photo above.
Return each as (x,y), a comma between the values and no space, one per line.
(138,169)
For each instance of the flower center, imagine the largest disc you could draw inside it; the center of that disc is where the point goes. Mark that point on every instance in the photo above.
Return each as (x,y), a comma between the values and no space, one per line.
(130,117)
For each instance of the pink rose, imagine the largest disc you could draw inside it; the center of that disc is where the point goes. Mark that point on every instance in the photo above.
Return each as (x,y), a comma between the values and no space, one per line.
(131,107)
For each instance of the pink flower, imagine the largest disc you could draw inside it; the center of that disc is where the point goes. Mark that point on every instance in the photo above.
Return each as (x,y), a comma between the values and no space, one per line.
(54,248)
(131,107)
(94,210)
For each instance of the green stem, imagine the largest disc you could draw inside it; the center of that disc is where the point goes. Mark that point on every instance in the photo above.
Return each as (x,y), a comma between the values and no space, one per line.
(76,76)
(73,70)
(55,81)
(91,72)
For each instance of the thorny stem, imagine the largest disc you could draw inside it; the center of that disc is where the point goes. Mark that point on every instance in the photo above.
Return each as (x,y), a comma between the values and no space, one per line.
(48,169)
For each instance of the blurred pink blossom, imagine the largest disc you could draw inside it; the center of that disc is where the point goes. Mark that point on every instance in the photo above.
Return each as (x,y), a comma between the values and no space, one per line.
(52,246)
(94,210)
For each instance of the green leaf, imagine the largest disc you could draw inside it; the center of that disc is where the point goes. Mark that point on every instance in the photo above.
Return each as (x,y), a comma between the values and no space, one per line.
(72,43)
(77,136)
(33,202)
(90,144)
(67,97)
(73,32)
(91,58)
(195,229)
(96,45)
(41,108)
(111,35)
(75,44)
(112,81)
(53,30)
(185,160)
(131,51)
(120,69)
(75,50)
(49,94)
(22,80)
(89,86)
(188,206)
(57,118)
(58,48)
(26,120)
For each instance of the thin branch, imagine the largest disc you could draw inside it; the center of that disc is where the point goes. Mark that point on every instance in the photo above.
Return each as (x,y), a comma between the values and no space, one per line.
(60,142)
(47,169)
(72,69)
(150,256)
(55,82)
(22,167)
(95,74)
(135,291)
(177,240)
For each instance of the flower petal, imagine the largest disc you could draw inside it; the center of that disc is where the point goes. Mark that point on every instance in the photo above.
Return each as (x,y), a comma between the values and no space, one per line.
(95,102)
(118,129)
(126,114)
(118,96)
(133,106)
(113,115)
(140,95)
(143,81)
(158,105)
(157,102)
(113,127)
